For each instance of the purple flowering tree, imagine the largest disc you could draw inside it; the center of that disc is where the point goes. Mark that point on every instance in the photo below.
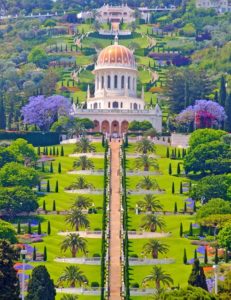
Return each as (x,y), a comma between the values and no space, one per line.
(203,114)
(44,111)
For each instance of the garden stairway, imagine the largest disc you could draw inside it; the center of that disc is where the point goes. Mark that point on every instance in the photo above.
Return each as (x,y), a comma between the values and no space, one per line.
(115,267)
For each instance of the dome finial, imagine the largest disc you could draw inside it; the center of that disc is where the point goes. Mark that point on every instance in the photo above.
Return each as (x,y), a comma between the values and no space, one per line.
(116,40)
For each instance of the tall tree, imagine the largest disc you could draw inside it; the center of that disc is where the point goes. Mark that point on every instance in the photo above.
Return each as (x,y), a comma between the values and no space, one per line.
(75,243)
(222,91)
(228,112)
(2,115)
(158,276)
(197,277)
(72,275)
(154,247)
(40,285)
(9,283)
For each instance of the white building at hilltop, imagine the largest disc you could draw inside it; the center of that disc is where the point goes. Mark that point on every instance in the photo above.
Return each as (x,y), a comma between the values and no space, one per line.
(115,103)
(220,6)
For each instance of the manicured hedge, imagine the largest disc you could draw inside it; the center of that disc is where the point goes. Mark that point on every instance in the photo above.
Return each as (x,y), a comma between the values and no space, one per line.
(34,138)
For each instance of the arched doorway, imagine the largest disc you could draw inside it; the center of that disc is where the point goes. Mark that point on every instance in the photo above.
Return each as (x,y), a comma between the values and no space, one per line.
(96,126)
(124,126)
(105,128)
(115,128)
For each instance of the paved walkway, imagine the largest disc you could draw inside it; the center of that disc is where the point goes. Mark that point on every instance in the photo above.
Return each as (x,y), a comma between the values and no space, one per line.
(115,240)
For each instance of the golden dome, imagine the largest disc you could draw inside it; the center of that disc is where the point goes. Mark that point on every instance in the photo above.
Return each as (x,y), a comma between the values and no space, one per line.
(116,55)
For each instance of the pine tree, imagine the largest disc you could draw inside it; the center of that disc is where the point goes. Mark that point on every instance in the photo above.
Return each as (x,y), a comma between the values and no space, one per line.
(175,208)
(173,188)
(181,229)
(29,228)
(51,168)
(54,205)
(19,228)
(197,277)
(167,152)
(216,258)
(190,230)
(178,169)
(170,169)
(39,228)
(44,205)
(62,151)
(57,186)
(195,254)
(9,283)
(222,91)
(181,188)
(40,285)
(2,115)
(206,256)
(45,254)
(48,186)
(185,260)
(48,228)
(34,254)
(59,168)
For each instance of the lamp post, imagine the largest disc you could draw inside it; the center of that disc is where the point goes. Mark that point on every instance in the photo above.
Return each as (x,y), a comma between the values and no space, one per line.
(215,267)
(23,252)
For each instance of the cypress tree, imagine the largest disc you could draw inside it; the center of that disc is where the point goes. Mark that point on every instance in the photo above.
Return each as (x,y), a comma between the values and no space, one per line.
(211,230)
(175,208)
(201,233)
(46,149)
(39,228)
(226,255)
(39,186)
(57,151)
(216,96)
(48,228)
(51,168)
(167,152)
(185,207)
(38,151)
(103,140)
(194,206)
(34,254)
(57,186)
(197,277)
(178,169)
(48,186)
(195,254)
(170,169)
(173,188)
(228,112)
(53,150)
(206,256)
(19,228)
(54,205)
(190,230)
(216,258)
(178,153)
(50,151)
(222,91)
(185,260)
(62,151)
(2,115)
(45,254)
(181,229)
(29,228)
(43,167)
(181,188)
(44,205)
(59,168)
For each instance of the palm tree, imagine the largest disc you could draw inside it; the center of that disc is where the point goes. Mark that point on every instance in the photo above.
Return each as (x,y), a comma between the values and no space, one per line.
(154,247)
(152,222)
(147,183)
(150,203)
(75,243)
(69,297)
(144,161)
(72,275)
(84,146)
(77,219)
(158,276)
(77,129)
(145,145)
(82,202)
(84,163)
(80,184)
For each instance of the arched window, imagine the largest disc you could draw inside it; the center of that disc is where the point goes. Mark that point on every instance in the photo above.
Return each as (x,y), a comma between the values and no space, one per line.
(135,106)
(133,83)
(121,104)
(95,105)
(115,104)
(102,82)
(109,82)
(116,82)
(122,82)
(109,104)
(129,82)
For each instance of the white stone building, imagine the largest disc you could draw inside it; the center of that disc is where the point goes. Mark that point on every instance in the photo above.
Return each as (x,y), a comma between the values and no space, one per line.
(115,14)
(115,103)
(220,6)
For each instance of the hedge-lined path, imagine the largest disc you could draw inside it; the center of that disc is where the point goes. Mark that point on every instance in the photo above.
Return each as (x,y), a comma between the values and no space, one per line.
(115,268)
